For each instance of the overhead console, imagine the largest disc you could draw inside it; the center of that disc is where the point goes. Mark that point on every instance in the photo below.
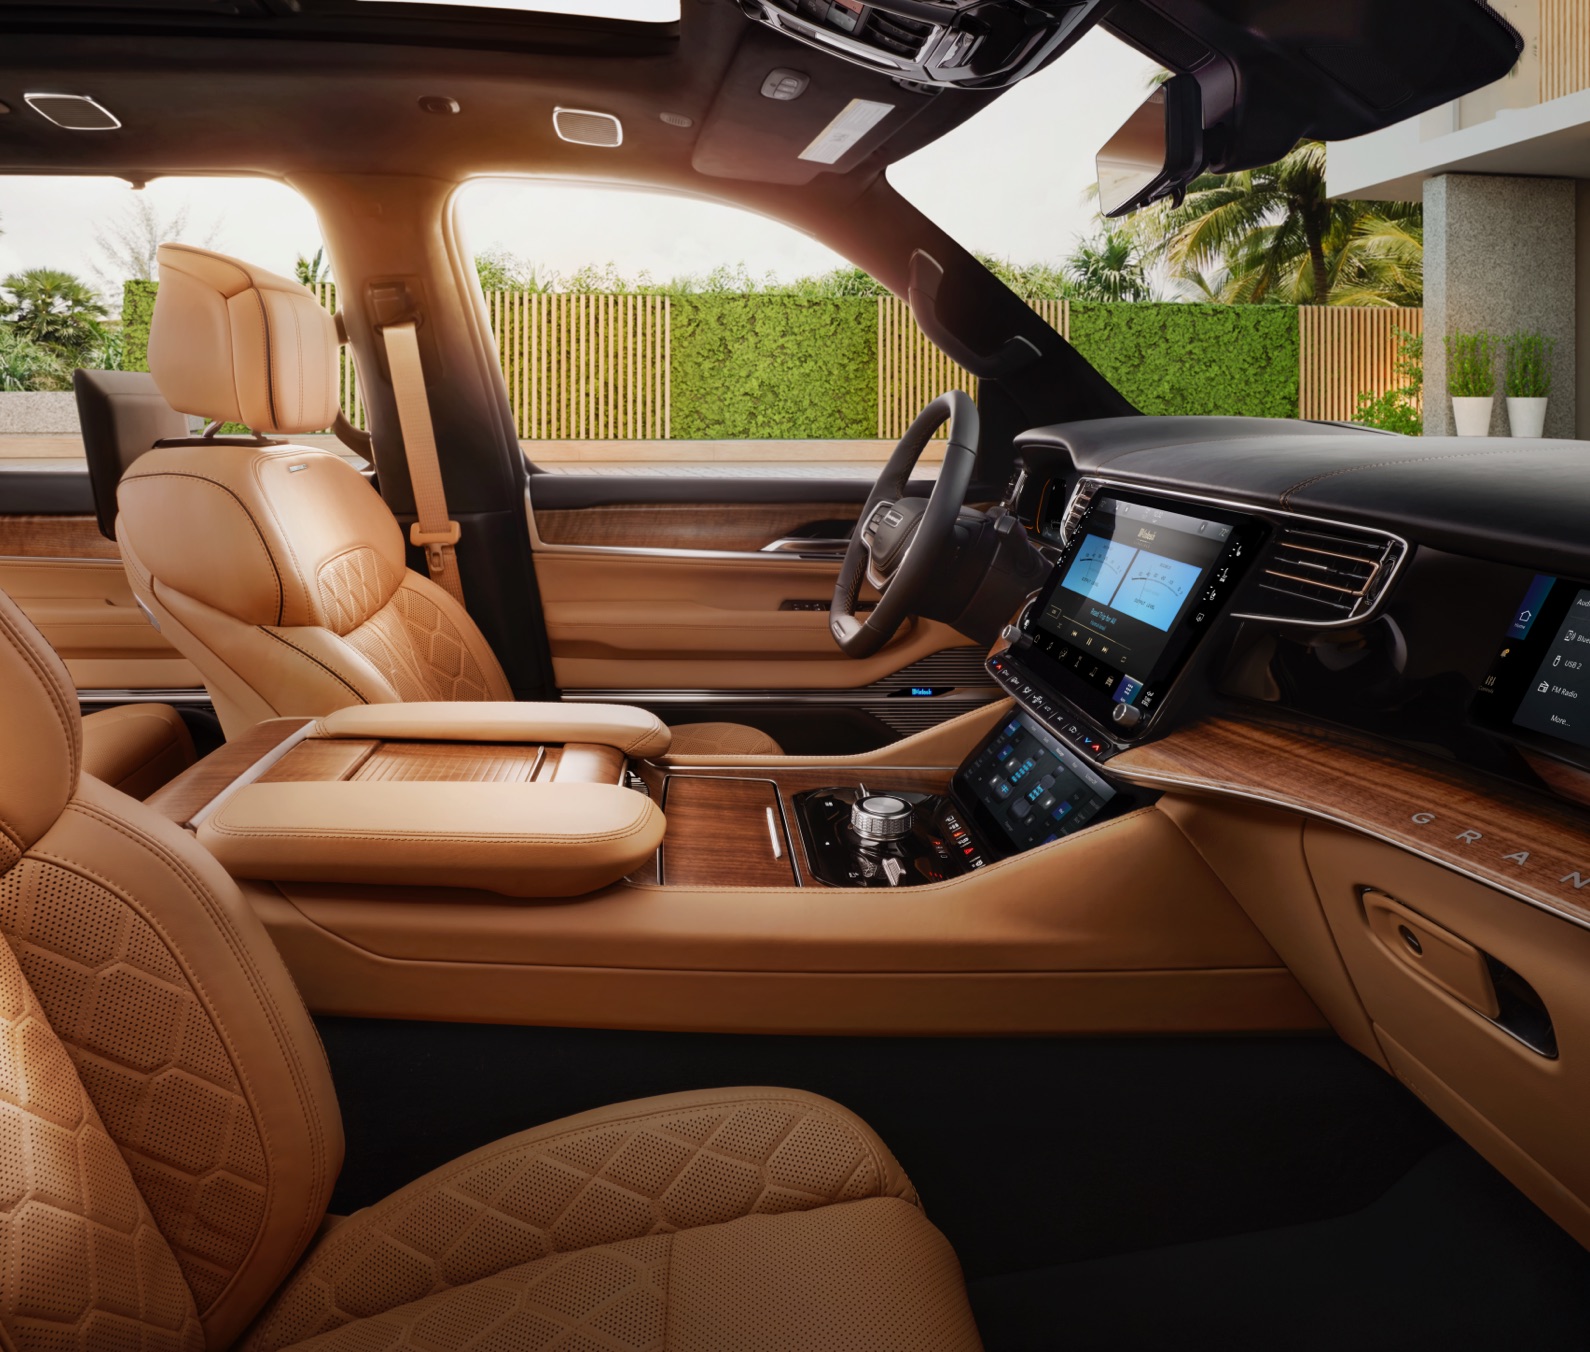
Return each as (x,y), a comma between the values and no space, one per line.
(965,44)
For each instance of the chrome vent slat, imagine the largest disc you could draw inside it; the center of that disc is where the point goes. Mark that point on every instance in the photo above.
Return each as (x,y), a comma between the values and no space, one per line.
(1328,576)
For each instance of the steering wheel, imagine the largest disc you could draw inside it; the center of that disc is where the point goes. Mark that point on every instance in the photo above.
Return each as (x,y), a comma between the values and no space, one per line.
(898,539)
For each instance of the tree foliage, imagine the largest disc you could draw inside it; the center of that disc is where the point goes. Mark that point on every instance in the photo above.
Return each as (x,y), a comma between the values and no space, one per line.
(54,309)
(1397,409)
(26,365)
(128,242)
(1273,234)
(1108,267)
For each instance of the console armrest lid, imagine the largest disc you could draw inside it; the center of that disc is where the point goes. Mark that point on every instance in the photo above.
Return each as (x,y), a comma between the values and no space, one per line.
(622,726)
(520,840)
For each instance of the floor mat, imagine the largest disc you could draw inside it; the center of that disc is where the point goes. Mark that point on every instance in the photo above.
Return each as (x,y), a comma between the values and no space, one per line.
(1451,1257)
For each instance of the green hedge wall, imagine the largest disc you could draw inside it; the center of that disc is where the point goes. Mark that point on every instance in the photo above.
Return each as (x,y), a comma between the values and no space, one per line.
(1194,359)
(774,366)
(137,308)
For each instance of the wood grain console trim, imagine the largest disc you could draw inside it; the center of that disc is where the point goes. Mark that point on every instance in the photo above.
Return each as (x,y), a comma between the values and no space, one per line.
(197,786)
(1533,847)
(724,833)
(737,529)
(54,537)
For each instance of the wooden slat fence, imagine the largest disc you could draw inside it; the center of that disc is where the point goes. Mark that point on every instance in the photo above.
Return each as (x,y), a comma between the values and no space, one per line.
(585,367)
(1345,351)
(912,372)
(1564,48)
(596,367)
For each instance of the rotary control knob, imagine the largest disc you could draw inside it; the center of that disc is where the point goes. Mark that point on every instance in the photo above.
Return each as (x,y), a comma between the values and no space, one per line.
(880,818)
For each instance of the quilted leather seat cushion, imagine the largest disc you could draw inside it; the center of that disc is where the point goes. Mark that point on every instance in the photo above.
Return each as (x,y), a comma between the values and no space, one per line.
(721,739)
(727,1219)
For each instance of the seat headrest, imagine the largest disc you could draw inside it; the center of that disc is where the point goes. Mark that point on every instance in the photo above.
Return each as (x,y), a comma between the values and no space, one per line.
(232,341)
(41,734)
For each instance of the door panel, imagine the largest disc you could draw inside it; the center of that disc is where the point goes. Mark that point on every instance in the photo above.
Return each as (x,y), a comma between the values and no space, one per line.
(707,599)
(86,611)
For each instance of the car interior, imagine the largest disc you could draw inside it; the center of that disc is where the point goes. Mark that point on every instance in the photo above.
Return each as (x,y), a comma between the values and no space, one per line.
(455,906)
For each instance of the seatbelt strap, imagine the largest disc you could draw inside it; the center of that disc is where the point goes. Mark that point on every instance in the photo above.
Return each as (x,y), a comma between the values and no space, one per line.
(434,531)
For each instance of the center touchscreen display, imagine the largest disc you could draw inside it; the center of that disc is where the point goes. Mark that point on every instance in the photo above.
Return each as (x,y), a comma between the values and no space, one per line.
(1136,583)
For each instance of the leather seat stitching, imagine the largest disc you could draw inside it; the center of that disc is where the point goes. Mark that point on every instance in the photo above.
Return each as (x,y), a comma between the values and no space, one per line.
(310,657)
(134,476)
(357,1229)
(241,954)
(50,684)
(218,825)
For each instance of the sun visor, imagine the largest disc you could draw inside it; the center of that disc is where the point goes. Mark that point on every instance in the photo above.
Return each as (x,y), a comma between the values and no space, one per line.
(840,116)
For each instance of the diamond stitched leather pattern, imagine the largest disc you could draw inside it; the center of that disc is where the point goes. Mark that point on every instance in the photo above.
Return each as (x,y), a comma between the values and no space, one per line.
(151,1060)
(419,650)
(613,1297)
(526,1199)
(85,1268)
(353,586)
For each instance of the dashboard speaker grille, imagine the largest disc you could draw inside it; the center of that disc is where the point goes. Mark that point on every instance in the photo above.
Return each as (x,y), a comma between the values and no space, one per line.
(1327,576)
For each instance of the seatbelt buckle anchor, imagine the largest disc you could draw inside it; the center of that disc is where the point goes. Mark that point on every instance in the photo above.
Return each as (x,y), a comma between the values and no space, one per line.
(434,542)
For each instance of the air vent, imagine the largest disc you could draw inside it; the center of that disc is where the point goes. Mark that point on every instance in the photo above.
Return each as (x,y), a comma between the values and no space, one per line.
(582,127)
(1320,575)
(1079,504)
(903,37)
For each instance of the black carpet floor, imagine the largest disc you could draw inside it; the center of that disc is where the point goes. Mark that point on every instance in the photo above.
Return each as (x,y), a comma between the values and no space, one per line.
(1451,1257)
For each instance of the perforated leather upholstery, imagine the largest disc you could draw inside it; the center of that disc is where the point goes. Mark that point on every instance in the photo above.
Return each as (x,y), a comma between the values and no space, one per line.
(169,1137)
(279,572)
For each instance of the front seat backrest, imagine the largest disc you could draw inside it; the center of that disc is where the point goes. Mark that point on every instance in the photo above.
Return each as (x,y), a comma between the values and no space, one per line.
(277,571)
(168,1128)
(121,415)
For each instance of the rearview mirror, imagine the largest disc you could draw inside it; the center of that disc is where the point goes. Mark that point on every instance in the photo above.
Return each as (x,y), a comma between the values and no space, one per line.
(1157,152)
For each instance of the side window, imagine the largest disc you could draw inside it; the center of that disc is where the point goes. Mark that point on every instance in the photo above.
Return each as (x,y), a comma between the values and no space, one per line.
(77,284)
(639,328)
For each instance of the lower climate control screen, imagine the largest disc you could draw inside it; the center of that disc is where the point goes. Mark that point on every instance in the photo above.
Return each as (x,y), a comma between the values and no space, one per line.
(1027,789)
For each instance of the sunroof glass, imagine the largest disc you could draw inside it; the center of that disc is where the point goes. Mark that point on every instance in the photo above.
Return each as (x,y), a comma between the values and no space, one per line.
(635,11)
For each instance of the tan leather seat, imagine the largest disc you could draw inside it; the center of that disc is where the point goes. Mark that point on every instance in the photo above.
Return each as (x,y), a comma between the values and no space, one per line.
(169,1137)
(136,747)
(278,571)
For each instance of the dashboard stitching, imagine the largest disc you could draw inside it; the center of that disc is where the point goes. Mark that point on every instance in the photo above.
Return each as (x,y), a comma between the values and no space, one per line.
(1287,493)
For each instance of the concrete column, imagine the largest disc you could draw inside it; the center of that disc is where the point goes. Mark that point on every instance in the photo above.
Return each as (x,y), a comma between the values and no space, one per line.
(1499,257)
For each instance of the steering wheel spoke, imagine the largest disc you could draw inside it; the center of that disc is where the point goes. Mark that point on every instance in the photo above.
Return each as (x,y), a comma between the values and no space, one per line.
(898,538)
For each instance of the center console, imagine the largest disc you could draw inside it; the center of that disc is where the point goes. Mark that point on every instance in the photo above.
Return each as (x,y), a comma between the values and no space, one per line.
(1139,581)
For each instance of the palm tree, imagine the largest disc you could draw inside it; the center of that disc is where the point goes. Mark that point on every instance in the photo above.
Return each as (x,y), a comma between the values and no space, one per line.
(1272,234)
(54,309)
(1108,267)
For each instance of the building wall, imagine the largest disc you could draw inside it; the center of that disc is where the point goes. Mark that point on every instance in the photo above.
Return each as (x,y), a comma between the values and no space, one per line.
(1500,256)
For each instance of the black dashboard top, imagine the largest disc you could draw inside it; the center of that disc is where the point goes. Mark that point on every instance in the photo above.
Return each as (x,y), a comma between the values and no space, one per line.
(1511,501)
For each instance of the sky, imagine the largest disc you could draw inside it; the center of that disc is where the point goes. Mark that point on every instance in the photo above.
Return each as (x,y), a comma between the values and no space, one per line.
(1011,182)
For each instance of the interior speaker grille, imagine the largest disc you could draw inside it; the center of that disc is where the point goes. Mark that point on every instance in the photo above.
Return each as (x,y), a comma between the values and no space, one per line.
(585,128)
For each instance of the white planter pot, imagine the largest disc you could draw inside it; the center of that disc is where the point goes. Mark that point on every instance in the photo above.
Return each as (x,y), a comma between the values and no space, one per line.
(1472,417)
(1527,417)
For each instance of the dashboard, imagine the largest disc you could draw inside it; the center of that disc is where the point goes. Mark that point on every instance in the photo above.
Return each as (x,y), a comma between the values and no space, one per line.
(1335,579)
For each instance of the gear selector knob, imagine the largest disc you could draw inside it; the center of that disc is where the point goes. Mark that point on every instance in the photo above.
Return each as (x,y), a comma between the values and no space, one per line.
(880,818)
